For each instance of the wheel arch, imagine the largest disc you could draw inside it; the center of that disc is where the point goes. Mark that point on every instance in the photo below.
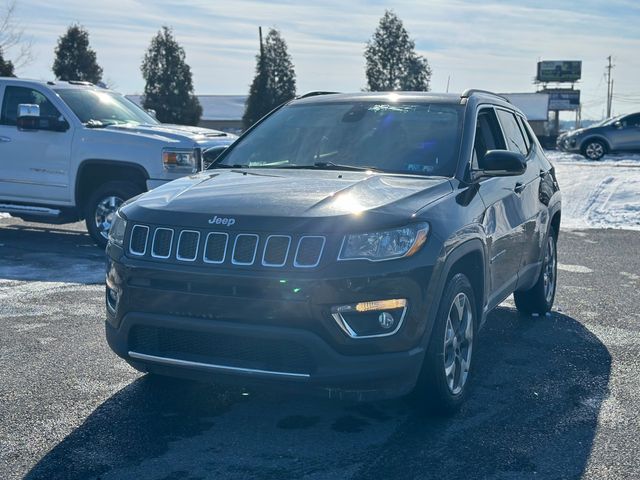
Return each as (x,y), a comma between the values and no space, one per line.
(592,137)
(92,173)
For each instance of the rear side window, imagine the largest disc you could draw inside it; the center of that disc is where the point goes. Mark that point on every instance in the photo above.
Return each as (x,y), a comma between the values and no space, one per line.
(512,132)
(14,96)
(632,121)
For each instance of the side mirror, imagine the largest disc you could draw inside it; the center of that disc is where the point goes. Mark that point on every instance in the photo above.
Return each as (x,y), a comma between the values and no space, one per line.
(152,112)
(28,116)
(501,163)
(617,124)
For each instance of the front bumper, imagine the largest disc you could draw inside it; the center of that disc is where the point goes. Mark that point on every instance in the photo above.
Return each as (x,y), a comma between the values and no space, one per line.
(262,329)
(568,144)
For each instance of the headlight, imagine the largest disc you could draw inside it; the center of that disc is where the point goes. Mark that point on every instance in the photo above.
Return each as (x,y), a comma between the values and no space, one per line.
(116,232)
(384,245)
(180,161)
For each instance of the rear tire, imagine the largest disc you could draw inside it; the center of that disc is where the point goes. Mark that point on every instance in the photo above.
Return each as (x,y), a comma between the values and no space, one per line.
(594,150)
(540,298)
(102,205)
(443,383)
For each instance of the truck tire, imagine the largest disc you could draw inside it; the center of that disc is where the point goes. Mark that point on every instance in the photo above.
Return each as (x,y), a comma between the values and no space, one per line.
(539,299)
(444,379)
(102,204)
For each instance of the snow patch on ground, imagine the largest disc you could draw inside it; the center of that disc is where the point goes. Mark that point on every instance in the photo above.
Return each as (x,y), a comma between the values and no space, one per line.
(4,215)
(603,194)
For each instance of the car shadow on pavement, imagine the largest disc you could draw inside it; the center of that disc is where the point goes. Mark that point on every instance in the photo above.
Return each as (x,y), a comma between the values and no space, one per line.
(62,254)
(539,385)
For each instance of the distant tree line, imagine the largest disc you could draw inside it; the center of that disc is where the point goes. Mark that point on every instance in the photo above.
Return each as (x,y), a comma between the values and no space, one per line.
(392,64)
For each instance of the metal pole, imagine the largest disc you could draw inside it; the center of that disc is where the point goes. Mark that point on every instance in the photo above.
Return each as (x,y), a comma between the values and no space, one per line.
(609,87)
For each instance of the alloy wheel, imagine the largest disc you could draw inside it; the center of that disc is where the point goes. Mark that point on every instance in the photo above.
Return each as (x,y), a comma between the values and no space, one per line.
(105,211)
(458,343)
(594,151)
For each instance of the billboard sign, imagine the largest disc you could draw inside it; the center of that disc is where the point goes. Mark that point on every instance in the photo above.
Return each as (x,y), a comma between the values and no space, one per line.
(559,71)
(563,99)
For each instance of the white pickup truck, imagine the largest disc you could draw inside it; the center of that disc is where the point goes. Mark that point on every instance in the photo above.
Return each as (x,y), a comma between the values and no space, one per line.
(72,151)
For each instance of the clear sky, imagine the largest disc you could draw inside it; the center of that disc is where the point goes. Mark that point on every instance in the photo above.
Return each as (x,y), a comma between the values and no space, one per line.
(493,45)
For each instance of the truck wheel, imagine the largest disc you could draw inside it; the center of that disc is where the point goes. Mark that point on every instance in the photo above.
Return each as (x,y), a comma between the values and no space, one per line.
(594,150)
(443,382)
(539,299)
(102,206)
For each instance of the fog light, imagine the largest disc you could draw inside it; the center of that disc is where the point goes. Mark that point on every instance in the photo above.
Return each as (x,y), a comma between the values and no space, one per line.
(378,318)
(112,299)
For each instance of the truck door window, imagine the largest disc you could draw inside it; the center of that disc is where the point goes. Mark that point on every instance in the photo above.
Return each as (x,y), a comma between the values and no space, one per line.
(488,135)
(14,96)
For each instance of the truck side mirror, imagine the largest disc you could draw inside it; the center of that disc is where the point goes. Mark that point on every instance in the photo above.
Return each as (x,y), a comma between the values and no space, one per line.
(28,116)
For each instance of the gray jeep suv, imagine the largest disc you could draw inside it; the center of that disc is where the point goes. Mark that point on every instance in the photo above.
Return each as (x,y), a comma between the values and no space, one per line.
(616,134)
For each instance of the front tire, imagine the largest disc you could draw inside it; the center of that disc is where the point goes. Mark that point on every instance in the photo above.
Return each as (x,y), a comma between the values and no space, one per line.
(443,382)
(594,150)
(540,298)
(102,206)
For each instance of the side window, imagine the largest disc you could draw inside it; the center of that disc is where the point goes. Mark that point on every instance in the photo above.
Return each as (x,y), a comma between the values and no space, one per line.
(632,121)
(14,96)
(488,135)
(525,132)
(512,132)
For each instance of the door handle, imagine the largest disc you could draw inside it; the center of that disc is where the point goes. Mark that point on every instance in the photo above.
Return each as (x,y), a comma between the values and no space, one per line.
(4,139)
(519,187)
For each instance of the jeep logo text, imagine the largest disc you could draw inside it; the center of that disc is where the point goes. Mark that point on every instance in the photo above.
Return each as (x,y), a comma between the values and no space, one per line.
(222,221)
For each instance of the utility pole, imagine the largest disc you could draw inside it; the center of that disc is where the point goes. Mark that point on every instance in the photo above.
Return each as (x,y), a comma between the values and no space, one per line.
(448,80)
(261,46)
(609,86)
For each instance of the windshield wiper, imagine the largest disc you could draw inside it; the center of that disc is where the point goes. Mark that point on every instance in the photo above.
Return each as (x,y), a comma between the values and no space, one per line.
(331,166)
(222,165)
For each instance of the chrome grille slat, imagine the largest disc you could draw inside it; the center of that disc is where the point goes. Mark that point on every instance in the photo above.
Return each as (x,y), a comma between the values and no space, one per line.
(213,253)
(138,240)
(161,247)
(276,255)
(309,251)
(188,242)
(245,248)
(242,249)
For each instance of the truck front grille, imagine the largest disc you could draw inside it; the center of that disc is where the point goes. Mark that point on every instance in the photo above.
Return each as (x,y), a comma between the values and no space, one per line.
(222,248)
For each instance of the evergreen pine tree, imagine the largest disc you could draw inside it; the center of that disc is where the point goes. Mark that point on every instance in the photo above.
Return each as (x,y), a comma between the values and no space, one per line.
(169,84)
(275,80)
(75,59)
(6,67)
(392,62)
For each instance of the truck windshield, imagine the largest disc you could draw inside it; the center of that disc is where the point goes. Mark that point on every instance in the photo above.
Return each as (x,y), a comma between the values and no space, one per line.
(410,138)
(103,108)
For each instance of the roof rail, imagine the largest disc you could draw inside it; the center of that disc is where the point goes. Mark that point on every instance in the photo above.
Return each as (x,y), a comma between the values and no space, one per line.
(315,94)
(80,82)
(470,91)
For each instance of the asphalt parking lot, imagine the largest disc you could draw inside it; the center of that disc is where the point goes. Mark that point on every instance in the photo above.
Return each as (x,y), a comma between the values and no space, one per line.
(553,397)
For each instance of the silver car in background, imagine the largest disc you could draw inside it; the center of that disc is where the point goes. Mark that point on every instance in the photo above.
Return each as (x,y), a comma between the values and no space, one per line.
(617,134)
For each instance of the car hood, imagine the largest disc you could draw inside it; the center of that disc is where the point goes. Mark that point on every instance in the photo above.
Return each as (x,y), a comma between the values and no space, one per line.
(269,196)
(169,132)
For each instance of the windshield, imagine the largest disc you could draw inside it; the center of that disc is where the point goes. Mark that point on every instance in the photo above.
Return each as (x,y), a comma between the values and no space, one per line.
(103,107)
(414,138)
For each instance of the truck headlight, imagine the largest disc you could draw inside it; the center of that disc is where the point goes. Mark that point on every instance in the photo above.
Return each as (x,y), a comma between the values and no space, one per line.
(180,161)
(384,245)
(116,232)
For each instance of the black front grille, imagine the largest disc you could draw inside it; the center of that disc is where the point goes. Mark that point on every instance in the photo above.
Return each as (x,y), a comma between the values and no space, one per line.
(162,239)
(138,243)
(309,251)
(188,245)
(222,349)
(244,250)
